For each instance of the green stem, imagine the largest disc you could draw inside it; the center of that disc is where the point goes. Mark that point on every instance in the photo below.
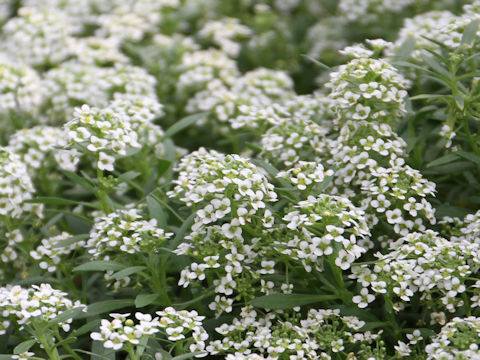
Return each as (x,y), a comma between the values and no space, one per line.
(48,346)
(67,346)
(471,140)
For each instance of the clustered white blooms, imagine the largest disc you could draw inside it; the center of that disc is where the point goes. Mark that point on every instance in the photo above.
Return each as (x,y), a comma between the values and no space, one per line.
(423,264)
(175,325)
(39,303)
(221,185)
(371,156)
(124,231)
(368,89)
(133,19)
(75,83)
(293,139)
(440,26)
(51,251)
(254,91)
(225,33)
(368,11)
(200,67)
(15,186)
(228,192)
(306,174)
(112,131)
(458,339)
(323,227)
(36,145)
(277,335)
(20,87)
(38,37)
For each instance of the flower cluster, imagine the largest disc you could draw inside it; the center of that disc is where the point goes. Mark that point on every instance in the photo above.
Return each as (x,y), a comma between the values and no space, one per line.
(221,185)
(459,339)
(51,251)
(368,89)
(15,185)
(422,264)
(75,83)
(39,37)
(321,335)
(224,33)
(38,303)
(123,333)
(36,145)
(327,227)
(111,131)
(305,174)
(124,231)
(120,331)
(20,87)
(254,91)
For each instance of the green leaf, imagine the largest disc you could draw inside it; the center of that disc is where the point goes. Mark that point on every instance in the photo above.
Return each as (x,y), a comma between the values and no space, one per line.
(182,232)
(106,306)
(24,346)
(271,170)
(426,96)
(469,156)
(288,301)
(129,175)
(79,180)
(100,265)
(68,314)
(145,299)
(71,240)
(460,101)
(469,33)
(318,63)
(50,200)
(188,356)
(156,211)
(162,166)
(446,159)
(128,271)
(184,123)
(405,50)
(5,357)
(87,328)
(185,304)
(452,211)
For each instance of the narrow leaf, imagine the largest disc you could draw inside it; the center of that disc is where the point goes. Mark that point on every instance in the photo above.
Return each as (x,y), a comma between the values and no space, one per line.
(129,175)
(469,33)
(288,301)
(460,101)
(145,299)
(100,265)
(70,241)
(443,160)
(106,306)
(184,123)
(156,211)
(68,314)
(182,232)
(24,346)
(188,356)
(318,63)
(88,327)
(405,50)
(469,156)
(79,180)
(126,272)
(51,200)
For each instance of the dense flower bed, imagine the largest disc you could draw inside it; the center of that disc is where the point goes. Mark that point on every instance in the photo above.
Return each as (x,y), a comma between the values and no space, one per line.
(242,179)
